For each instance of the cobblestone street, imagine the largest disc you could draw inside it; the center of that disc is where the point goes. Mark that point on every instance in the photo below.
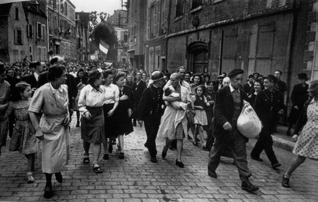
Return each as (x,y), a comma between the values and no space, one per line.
(137,179)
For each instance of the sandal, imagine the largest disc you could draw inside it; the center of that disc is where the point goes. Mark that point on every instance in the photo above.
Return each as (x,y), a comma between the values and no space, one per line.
(30,178)
(97,169)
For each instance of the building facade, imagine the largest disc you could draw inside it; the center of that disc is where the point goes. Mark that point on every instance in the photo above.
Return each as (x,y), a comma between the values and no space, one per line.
(119,18)
(122,47)
(82,36)
(219,35)
(62,28)
(137,15)
(13,38)
(36,30)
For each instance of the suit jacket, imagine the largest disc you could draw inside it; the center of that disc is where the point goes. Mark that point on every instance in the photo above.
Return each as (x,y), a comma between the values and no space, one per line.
(267,108)
(138,90)
(30,79)
(224,111)
(150,104)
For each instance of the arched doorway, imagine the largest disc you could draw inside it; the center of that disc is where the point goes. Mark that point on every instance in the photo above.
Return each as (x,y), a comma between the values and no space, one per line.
(198,57)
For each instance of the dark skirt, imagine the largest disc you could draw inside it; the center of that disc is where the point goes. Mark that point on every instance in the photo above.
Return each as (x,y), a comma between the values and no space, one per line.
(108,125)
(120,123)
(92,129)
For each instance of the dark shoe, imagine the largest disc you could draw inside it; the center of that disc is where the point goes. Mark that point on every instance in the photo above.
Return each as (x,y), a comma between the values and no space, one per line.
(48,191)
(106,156)
(59,177)
(249,187)
(164,153)
(256,158)
(77,125)
(110,148)
(121,155)
(288,133)
(154,159)
(180,164)
(205,148)
(86,160)
(213,174)
(275,166)
(97,169)
(285,182)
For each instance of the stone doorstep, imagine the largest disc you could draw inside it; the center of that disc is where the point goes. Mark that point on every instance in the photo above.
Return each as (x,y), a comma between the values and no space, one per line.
(283,142)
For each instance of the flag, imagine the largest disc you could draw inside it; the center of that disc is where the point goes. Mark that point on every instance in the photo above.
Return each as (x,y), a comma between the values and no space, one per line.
(11,1)
(104,47)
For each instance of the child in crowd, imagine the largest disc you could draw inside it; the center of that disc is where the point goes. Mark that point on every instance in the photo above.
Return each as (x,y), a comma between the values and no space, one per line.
(23,137)
(200,118)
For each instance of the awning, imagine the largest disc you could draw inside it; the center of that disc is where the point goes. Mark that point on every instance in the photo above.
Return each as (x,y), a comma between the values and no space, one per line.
(11,1)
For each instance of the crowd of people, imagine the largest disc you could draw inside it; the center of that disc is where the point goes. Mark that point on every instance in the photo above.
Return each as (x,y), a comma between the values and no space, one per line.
(38,106)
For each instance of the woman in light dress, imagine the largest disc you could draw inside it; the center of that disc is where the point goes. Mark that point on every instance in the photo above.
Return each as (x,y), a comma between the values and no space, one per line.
(51,100)
(23,137)
(307,141)
(174,122)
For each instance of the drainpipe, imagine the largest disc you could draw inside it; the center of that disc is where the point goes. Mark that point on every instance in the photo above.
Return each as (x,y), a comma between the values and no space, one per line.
(221,52)
(166,38)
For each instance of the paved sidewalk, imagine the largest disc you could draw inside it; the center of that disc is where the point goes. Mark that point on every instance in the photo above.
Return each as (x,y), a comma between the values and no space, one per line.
(137,179)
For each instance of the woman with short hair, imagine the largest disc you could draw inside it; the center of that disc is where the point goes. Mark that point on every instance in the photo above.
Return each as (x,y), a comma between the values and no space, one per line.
(121,120)
(51,100)
(90,103)
(110,106)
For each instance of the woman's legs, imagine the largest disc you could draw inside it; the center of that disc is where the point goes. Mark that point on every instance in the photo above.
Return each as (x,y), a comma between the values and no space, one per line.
(201,135)
(31,162)
(121,146)
(165,148)
(48,192)
(179,149)
(78,116)
(96,154)
(86,146)
(297,162)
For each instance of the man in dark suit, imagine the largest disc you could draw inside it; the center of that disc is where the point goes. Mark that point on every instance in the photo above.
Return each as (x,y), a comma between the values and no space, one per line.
(228,106)
(33,79)
(138,89)
(150,109)
(37,78)
(299,96)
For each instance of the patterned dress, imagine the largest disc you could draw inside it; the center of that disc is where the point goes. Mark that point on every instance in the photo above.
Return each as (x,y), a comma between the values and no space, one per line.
(307,143)
(23,137)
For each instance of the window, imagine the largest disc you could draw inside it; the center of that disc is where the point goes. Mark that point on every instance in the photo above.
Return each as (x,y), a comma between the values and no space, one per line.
(18,37)
(43,32)
(17,13)
(196,3)
(39,31)
(179,8)
(29,31)
(54,4)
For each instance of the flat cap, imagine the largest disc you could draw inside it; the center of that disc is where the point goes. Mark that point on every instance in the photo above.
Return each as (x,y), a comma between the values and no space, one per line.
(235,72)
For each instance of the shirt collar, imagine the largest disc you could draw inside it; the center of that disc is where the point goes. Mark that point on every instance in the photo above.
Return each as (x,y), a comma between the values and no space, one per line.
(54,90)
(231,88)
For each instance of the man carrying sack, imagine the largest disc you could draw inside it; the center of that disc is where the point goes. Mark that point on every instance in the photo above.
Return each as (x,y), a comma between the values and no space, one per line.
(228,106)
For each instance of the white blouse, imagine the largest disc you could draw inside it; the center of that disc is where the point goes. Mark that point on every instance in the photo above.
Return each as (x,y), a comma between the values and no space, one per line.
(90,97)
(111,94)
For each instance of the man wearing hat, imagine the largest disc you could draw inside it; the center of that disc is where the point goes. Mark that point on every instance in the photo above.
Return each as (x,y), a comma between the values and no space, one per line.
(228,106)
(298,97)
(150,110)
